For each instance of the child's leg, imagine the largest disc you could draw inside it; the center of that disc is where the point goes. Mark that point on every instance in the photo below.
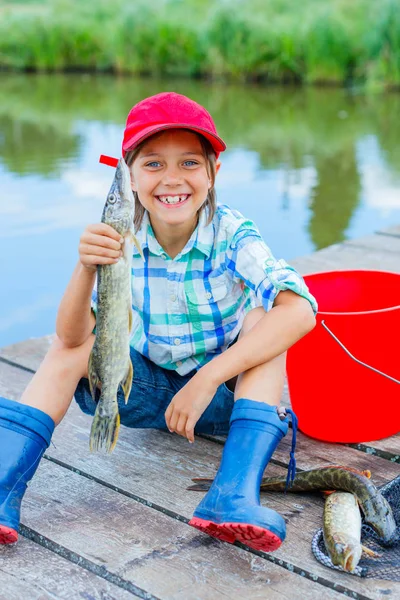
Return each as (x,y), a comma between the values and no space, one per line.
(26,427)
(265,382)
(52,387)
(231,509)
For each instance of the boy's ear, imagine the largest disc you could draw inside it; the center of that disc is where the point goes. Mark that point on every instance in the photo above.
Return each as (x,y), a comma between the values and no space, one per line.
(217,166)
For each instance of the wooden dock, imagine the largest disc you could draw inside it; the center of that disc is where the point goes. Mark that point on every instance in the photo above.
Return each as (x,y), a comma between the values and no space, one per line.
(116,527)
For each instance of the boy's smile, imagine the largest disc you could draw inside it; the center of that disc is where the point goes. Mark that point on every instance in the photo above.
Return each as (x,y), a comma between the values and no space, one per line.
(173,200)
(171,179)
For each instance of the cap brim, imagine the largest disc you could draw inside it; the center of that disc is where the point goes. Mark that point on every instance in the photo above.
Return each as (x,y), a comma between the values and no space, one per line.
(217,143)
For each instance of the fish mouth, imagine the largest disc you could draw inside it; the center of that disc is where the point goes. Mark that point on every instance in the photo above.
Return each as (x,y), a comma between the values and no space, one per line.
(352,556)
(347,554)
(125,179)
(349,562)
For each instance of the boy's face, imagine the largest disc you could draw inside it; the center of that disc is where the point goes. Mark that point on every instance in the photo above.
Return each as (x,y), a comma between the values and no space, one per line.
(170,177)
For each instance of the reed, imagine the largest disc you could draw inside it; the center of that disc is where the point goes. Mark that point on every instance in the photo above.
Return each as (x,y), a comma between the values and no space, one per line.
(332,42)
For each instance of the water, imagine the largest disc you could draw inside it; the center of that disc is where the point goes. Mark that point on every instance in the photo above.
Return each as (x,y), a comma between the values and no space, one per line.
(311,167)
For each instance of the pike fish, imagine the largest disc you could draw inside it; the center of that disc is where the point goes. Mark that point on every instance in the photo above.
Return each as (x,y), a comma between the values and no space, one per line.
(376,509)
(342,531)
(109,361)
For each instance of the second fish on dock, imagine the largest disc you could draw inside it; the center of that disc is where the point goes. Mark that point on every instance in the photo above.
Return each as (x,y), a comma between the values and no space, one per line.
(376,510)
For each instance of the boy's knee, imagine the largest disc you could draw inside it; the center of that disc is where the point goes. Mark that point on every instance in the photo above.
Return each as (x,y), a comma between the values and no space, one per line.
(251,318)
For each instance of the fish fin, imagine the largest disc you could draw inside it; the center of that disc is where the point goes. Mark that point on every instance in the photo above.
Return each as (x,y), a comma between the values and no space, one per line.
(94,381)
(199,487)
(127,382)
(104,430)
(365,473)
(138,246)
(135,241)
(370,552)
(130,319)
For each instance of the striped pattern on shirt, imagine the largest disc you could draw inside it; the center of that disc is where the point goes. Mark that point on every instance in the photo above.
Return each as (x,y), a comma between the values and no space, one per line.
(188,309)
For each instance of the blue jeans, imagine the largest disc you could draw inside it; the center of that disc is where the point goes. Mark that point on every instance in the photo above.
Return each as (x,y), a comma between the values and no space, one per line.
(152,391)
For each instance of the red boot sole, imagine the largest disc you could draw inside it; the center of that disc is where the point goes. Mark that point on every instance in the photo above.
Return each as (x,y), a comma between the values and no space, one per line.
(253,536)
(7,535)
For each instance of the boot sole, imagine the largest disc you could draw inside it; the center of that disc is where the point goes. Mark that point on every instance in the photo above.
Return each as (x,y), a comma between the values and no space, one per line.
(252,536)
(7,535)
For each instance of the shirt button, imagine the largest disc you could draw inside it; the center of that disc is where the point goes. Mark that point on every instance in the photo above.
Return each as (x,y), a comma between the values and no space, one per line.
(177,341)
(172,297)
(208,295)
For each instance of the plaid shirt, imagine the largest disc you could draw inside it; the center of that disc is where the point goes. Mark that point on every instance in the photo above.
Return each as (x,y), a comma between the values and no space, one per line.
(188,309)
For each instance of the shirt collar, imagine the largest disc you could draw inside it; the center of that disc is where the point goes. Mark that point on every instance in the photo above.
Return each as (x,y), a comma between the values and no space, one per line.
(202,237)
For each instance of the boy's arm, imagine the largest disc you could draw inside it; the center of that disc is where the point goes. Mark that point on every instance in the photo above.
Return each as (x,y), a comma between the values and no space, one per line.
(288,321)
(75,320)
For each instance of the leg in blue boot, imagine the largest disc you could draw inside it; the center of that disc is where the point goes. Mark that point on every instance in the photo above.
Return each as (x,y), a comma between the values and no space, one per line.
(231,509)
(25,433)
(26,426)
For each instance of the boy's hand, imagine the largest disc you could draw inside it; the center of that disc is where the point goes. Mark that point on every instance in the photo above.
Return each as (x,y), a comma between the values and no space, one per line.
(100,244)
(188,405)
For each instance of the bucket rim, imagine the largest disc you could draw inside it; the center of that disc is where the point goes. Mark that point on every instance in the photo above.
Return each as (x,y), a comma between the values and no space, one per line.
(358,312)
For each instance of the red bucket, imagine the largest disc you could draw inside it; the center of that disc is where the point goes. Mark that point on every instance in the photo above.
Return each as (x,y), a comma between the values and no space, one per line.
(344,376)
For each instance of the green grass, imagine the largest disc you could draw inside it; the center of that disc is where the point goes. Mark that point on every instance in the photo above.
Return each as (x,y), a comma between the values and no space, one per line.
(320,42)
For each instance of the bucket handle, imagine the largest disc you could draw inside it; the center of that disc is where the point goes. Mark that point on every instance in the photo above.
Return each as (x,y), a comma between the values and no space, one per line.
(353,357)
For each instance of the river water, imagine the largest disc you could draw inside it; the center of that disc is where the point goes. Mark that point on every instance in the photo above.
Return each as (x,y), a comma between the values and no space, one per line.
(312,167)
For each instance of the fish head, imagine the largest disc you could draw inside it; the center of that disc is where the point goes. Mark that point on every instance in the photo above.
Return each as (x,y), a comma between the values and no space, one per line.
(380,517)
(347,554)
(120,203)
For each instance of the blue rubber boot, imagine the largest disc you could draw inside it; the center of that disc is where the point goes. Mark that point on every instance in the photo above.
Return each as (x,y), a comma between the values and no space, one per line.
(231,508)
(25,433)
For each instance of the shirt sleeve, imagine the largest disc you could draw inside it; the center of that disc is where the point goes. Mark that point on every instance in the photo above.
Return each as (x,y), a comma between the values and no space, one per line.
(249,259)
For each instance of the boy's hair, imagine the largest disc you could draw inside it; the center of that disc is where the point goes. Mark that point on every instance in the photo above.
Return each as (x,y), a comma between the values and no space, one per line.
(211,202)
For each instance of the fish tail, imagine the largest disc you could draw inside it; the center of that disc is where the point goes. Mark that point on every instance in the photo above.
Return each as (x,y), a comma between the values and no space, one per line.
(105,429)
(200,487)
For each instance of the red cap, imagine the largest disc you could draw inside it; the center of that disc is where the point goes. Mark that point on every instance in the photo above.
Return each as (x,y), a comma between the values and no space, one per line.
(169,110)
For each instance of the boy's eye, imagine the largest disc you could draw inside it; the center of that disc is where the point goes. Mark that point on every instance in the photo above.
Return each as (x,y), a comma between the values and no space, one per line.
(154,163)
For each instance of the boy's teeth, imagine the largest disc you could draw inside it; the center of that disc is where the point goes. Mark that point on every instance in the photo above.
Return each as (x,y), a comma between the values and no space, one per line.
(173,199)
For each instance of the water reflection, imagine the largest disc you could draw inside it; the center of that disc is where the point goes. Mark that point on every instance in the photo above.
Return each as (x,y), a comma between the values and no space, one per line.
(312,167)
(288,128)
(334,197)
(28,147)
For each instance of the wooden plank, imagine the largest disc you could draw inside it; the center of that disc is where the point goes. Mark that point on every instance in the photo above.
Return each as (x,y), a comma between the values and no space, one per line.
(390,230)
(135,474)
(145,546)
(158,467)
(28,353)
(30,572)
(347,256)
(381,243)
(387,447)
(161,460)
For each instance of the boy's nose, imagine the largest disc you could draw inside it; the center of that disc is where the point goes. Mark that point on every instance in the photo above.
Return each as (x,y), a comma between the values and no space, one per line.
(172,177)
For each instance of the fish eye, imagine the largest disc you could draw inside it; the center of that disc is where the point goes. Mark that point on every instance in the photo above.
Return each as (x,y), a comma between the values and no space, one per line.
(111,199)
